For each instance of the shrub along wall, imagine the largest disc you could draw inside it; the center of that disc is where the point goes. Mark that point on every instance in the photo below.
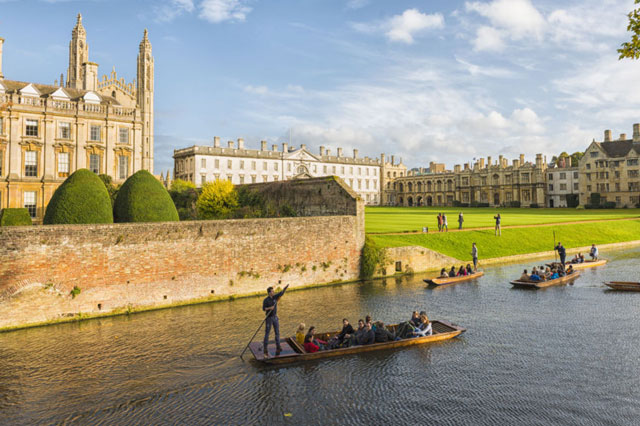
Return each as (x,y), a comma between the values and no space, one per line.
(15,217)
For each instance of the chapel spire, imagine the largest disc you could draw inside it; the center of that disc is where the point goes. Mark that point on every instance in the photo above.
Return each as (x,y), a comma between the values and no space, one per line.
(78,54)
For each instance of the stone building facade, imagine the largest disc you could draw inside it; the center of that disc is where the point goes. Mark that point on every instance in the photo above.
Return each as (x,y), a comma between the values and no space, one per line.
(495,184)
(49,131)
(562,184)
(240,165)
(611,168)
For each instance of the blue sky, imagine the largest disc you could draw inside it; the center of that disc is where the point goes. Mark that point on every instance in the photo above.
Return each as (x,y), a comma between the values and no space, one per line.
(436,80)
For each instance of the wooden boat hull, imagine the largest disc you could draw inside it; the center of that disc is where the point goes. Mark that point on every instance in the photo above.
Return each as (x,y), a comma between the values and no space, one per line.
(624,285)
(584,265)
(454,280)
(442,330)
(542,284)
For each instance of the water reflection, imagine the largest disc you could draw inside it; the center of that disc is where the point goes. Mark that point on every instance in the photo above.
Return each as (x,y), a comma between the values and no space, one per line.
(564,354)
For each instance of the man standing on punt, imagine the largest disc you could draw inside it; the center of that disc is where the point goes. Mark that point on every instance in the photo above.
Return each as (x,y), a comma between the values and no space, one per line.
(562,252)
(270,306)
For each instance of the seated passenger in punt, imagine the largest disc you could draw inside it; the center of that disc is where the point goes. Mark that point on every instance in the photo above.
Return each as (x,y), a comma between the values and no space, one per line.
(311,344)
(408,329)
(366,336)
(300,333)
(469,269)
(415,318)
(368,319)
(452,272)
(534,275)
(570,270)
(462,272)
(443,273)
(524,277)
(382,334)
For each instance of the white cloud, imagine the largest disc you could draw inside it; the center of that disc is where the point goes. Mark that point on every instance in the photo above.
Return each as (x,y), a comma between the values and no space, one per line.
(169,11)
(357,4)
(519,18)
(223,10)
(488,38)
(403,28)
(477,70)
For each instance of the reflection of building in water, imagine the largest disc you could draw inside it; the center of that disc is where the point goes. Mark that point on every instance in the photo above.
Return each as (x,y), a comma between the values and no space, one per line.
(611,169)
(366,176)
(49,131)
(493,184)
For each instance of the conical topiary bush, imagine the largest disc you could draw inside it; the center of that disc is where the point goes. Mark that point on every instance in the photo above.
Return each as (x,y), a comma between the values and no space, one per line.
(82,198)
(142,198)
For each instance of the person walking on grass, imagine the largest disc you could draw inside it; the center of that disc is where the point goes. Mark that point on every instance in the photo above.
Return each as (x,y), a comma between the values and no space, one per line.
(460,220)
(474,255)
(498,221)
(439,222)
(445,224)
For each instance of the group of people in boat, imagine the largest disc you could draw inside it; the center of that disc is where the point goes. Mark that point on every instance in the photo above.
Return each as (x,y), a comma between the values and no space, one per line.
(459,272)
(367,333)
(542,273)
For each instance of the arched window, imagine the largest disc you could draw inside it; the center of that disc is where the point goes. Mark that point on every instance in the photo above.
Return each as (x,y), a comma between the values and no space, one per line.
(401,187)
(410,186)
(419,188)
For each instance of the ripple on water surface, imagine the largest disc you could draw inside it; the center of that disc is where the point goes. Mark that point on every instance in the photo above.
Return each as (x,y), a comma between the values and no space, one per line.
(562,355)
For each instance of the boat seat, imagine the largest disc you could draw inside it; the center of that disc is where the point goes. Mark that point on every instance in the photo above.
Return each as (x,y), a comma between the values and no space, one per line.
(295,345)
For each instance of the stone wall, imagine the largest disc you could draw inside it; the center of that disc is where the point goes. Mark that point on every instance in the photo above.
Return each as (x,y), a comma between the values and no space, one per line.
(410,259)
(130,266)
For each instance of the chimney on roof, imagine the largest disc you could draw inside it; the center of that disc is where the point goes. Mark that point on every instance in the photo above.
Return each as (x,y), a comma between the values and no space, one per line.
(328,152)
(240,143)
(263,145)
(538,160)
(607,135)
(393,159)
(456,168)
(303,146)
(516,163)
(339,152)
(623,136)
(636,132)
(489,162)
(466,166)
(521,159)
(355,153)
(482,163)
(382,158)
(216,141)
(285,147)
(321,151)
(231,144)
(274,148)
(500,162)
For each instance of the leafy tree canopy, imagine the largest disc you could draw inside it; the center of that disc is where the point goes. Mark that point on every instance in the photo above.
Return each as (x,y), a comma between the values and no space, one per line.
(217,200)
(631,49)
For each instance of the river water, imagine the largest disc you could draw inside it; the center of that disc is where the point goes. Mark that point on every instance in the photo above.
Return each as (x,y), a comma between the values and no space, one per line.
(562,355)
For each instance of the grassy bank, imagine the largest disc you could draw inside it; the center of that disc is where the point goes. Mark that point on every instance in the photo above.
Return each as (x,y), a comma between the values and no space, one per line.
(401,219)
(518,240)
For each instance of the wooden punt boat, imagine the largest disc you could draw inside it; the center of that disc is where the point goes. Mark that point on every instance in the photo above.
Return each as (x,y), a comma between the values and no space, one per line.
(542,284)
(292,351)
(453,280)
(623,285)
(584,265)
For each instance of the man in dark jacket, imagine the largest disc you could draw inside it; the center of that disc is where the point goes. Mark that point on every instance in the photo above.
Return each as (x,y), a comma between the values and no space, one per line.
(347,329)
(270,307)
(561,252)
(367,337)
(382,334)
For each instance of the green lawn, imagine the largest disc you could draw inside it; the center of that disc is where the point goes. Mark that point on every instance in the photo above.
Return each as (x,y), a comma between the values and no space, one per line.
(517,240)
(402,219)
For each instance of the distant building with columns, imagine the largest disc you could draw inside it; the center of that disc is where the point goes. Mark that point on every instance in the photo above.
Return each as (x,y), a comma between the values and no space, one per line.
(49,131)
(240,165)
(498,183)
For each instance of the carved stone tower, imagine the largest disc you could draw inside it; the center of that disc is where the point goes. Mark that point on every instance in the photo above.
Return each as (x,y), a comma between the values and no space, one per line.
(78,54)
(145,100)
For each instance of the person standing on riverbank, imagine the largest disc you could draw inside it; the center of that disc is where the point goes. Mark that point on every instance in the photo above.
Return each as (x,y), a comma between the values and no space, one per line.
(474,255)
(270,307)
(445,223)
(498,221)
(460,220)
(562,252)
(439,222)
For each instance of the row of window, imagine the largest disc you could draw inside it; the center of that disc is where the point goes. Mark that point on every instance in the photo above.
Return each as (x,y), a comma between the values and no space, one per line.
(563,175)
(563,187)
(32,129)
(242,179)
(604,163)
(95,160)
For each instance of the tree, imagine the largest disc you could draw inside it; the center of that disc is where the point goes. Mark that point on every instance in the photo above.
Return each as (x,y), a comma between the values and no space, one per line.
(217,200)
(184,196)
(631,49)
(111,188)
(82,198)
(575,158)
(142,198)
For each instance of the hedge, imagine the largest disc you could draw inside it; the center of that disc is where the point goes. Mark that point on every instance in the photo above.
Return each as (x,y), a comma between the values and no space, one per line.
(142,198)
(15,217)
(82,198)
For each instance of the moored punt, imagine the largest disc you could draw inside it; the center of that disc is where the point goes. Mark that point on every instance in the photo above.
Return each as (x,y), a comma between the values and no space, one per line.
(541,284)
(584,265)
(623,285)
(453,280)
(292,351)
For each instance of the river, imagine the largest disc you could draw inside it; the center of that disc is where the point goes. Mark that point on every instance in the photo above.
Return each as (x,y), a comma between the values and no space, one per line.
(562,355)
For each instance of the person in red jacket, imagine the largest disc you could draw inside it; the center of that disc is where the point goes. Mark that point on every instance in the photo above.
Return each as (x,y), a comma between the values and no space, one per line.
(311,344)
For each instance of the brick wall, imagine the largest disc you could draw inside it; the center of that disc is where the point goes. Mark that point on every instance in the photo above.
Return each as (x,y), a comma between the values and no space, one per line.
(151,264)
